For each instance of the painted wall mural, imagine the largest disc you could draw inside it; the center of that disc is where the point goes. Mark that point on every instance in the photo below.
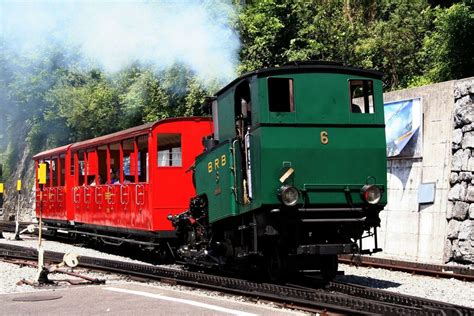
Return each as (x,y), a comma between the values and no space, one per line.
(403,121)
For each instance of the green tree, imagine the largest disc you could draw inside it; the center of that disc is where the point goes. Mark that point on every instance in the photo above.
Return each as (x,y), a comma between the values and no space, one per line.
(385,35)
(178,92)
(89,105)
(394,40)
(24,80)
(449,49)
(266,28)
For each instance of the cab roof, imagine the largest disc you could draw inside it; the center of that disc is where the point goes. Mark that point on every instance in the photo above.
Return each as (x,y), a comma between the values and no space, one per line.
(306,67)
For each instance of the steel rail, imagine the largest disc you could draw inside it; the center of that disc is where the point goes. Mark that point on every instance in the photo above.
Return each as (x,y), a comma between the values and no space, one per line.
(444,271)
(345,300)
(9,226)
(398,299)
(171,277)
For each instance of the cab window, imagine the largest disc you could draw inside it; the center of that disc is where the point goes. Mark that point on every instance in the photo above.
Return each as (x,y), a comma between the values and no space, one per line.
(361,96)
(280,95)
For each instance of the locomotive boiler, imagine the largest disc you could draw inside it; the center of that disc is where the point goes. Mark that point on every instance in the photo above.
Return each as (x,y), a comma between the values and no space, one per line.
(294,173)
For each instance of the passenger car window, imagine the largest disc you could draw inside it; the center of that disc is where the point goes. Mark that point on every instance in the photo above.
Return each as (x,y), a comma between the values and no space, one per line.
(129,161)
(62,172)
(169,150)
(142,158)
(73,167)
(81,167)
(361,96)
(280,95)
(114,160)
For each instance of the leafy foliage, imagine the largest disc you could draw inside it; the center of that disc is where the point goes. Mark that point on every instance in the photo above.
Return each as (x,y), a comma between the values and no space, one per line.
(266,29)
(449,49)
(395,37)
(52,97)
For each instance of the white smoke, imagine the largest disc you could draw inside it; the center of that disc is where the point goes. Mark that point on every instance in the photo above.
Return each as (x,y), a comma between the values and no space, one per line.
(113,34)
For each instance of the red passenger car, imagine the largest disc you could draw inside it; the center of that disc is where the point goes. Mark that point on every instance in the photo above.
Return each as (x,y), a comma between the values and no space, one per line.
(55,202)
(122,186)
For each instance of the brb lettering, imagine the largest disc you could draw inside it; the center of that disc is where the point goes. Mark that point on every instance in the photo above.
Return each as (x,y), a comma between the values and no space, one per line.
(217,163)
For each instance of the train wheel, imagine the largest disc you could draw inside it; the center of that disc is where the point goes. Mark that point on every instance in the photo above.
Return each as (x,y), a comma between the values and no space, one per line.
(329,265)
(276,264)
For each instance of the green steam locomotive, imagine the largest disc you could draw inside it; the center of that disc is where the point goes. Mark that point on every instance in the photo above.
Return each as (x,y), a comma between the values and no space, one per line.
(294,174)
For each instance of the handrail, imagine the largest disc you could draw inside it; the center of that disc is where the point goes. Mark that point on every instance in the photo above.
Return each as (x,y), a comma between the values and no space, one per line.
(97,193)
(51,194)
(109,195)
(333,186)
(60,194)
(141,194)
(86,196)
(122,194)
(234,170)
(76,195)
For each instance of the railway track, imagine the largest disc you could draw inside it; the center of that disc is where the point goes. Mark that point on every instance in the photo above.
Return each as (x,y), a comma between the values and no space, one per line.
(441,271)
(336,298)
(9,226)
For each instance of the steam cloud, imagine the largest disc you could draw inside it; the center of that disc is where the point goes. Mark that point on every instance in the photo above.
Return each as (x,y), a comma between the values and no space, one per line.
(114,34)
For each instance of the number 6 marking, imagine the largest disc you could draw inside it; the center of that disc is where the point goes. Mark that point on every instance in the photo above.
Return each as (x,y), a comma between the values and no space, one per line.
(324,137)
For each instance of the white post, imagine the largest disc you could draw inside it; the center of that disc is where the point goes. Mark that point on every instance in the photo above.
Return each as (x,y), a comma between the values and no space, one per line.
(40,246)
(17,217)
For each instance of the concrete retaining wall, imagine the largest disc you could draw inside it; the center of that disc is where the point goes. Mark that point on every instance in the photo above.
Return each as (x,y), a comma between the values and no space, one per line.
(411,231)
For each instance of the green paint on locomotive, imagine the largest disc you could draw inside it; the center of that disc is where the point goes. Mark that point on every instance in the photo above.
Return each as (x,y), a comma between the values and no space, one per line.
(333,151)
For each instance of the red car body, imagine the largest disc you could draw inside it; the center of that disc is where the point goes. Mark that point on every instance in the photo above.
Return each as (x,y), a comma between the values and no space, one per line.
(126,182)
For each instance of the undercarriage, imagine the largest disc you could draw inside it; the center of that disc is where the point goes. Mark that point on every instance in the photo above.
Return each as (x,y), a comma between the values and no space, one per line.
(275,241)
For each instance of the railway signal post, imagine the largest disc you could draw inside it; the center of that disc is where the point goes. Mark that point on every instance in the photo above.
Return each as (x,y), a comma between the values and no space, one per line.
(1,203)
(41,276)
(17,217)
(1,197)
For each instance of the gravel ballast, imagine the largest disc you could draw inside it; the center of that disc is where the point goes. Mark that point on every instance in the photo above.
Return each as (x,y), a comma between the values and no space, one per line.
(12,273)
(446,290)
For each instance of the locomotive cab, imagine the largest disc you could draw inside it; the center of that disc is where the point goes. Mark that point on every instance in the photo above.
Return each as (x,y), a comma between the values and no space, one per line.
(296,173)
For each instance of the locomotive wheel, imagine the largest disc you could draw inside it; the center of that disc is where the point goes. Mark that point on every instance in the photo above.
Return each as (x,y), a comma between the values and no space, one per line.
(276,264)
(329,265)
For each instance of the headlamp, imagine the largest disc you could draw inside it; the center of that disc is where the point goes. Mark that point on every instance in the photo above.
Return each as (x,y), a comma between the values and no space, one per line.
(371,193)
(289,195)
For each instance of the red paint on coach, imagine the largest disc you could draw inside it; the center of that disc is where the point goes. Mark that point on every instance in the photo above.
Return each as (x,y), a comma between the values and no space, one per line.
(130,179)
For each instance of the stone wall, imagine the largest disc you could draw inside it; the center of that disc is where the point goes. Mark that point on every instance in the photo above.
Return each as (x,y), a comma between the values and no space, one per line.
(460,214)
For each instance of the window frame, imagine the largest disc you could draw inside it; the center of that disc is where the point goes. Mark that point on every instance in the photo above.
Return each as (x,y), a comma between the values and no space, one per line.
(367,85)
(170,151)
(291,94)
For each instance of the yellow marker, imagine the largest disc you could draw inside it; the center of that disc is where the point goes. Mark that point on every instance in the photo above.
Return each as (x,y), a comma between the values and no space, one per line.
(1,188)
(42,173)
(286,175)
(18,185)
